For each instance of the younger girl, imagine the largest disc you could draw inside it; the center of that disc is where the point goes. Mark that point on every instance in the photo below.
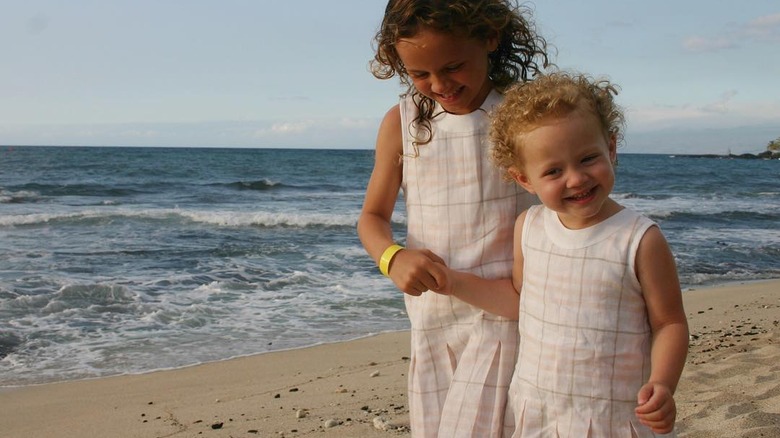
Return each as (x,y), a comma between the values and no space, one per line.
(603,331)
(455,56)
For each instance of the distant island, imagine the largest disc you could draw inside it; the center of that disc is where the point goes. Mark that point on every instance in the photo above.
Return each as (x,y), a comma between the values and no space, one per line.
(766,155)
(772,152)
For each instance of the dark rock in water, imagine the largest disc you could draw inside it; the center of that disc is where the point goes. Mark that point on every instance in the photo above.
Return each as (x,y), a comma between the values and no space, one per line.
(8,343)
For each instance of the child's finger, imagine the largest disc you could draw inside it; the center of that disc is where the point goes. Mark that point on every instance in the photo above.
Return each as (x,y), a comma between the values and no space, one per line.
(434,257)
(644,395)
(438,280)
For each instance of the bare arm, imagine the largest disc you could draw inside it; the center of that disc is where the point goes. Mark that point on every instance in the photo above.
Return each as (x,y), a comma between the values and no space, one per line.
(657,274)
(498,296)
(412,271)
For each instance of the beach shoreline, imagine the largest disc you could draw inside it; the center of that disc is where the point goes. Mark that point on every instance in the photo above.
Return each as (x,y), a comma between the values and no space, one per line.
(730,385)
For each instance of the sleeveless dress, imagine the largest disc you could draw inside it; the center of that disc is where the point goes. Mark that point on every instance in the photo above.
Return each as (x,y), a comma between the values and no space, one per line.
(459,207)
(585,336)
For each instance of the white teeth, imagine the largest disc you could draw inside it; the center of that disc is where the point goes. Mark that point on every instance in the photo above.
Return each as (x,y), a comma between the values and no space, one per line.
(448,96)
(581,195)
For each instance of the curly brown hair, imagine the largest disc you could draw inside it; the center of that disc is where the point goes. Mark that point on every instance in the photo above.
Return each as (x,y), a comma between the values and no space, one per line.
(527,105)
(521,53)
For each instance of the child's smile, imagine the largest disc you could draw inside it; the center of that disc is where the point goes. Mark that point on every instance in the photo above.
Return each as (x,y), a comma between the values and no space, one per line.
(582,197)
(449,69)
(449,98)
(567,162)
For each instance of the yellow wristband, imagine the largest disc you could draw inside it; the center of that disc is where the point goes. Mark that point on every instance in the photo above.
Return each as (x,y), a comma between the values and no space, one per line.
(387,256)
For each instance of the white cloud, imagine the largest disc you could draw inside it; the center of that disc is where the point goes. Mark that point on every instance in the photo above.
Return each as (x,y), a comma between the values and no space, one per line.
(737,140)
(721,105)
(766,28)
(703,44)
(290,127)
(359,123)
(319,126)
(722,113)
(763,29)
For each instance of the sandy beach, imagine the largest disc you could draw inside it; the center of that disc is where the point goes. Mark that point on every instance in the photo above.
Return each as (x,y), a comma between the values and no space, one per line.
(730,386)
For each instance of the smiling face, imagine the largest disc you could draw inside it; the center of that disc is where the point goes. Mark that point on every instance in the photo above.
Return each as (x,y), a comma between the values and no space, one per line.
(449,69)
(567,162)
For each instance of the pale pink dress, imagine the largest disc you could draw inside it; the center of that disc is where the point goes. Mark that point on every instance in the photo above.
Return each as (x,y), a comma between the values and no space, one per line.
(585,337)
(459,207)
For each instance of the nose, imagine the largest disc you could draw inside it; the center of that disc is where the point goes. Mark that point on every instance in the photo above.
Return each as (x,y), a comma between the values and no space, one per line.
(576,178)
(439,83)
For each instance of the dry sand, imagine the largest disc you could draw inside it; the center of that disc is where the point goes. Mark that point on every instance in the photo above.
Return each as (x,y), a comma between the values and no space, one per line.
(731,383)
(730,386)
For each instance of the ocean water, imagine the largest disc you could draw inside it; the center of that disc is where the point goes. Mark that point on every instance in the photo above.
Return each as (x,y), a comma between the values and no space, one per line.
(127,260)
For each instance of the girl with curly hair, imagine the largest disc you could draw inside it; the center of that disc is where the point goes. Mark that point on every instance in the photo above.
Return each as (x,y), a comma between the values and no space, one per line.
(603,332)
(456,57)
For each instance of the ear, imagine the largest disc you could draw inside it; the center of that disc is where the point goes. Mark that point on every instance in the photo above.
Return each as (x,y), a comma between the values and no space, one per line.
(492,43)
(521,179)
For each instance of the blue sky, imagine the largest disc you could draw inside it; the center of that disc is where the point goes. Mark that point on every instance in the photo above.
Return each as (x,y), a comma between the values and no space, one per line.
(697,76)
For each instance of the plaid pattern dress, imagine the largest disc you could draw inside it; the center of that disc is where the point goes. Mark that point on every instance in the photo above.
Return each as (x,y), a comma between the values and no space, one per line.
(459,207)
(585,337)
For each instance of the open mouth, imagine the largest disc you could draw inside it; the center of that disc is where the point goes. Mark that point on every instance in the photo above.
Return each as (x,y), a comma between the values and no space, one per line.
(582,196)
(450,97)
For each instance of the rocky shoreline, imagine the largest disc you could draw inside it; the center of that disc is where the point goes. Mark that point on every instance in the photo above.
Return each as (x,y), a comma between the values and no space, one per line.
(766,155)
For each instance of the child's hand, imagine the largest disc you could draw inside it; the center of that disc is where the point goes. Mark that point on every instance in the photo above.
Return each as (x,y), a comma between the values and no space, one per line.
(445,282)
(656,408)
(415,271)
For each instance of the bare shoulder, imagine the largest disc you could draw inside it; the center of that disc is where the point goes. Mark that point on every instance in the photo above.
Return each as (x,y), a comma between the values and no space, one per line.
(389,139)
(655,266)
(652,241)
(393,114)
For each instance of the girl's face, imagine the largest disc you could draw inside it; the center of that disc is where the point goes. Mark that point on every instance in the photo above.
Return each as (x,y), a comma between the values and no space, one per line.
(568,164)
(449,69)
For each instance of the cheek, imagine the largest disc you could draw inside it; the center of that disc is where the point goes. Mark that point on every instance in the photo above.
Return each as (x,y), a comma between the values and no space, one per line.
(547,189)
(420,84)
(608,173)
(469,77)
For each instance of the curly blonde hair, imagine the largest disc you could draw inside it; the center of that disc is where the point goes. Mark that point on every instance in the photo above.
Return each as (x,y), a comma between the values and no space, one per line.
(521,53)
(527,105)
